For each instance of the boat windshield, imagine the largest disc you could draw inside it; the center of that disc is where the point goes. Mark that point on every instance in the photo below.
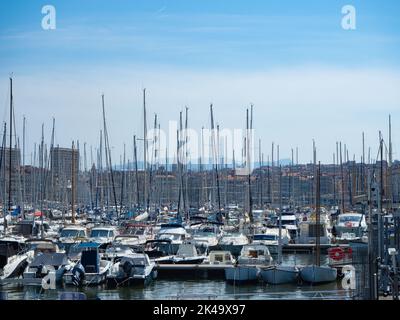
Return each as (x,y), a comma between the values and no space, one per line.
(270,237)
(349,219)
(99,233)
(170,236)
(70,233)
(202,233)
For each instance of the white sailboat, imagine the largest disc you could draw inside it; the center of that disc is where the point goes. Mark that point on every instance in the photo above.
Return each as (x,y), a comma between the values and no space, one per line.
(316,273)
(279,273)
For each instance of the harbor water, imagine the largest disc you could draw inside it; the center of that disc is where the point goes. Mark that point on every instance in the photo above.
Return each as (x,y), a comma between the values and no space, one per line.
(178,287)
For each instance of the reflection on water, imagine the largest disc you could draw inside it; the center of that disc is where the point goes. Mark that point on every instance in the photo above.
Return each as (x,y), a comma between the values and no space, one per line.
(177,288)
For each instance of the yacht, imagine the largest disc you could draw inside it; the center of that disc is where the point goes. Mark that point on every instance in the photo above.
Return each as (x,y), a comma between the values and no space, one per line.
(174,232)
(233,242)
(132,268)
(90,269)
(187,254)
(308,230)
(350,227)
(13,256)
(206,237)
(71,235)
(47,257)
(102,235)
(270,238)
(219,257)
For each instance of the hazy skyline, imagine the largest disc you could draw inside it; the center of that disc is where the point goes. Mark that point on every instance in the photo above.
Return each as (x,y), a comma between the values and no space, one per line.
(306,76)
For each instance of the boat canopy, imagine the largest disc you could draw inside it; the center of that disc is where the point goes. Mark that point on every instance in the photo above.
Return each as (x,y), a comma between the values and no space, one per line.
(50,259)
(89,245)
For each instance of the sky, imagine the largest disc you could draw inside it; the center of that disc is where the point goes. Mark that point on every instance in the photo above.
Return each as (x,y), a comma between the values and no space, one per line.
(307,77)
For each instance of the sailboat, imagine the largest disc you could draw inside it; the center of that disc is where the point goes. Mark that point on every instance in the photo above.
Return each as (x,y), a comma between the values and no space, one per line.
(280,273)
(316,273)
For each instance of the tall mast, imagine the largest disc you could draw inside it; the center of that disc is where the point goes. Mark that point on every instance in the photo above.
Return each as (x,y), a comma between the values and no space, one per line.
(390,181)
(144,146)
(108,159)
(10,155)
(23,170)
(260,174)
(73,184)
(317,216)
(280,217)
(3,166)
(342,178)
(42,181)
(136,170)
(215,158)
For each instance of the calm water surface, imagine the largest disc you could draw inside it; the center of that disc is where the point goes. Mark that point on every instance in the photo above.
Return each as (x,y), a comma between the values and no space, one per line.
(191,288)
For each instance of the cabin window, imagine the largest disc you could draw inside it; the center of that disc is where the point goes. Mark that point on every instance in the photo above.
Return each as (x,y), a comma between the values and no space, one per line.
(218,258)
(81,233)
(253,253)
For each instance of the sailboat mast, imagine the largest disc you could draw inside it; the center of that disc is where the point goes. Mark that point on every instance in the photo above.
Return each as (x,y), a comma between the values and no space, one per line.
(73,184)
(215,157)
(136,170)
(317,217)
(144,146)
(23,170)
(10,155)
(3,166)
(280,217)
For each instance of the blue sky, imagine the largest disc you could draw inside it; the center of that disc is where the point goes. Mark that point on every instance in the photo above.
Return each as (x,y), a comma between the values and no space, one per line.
(292,59)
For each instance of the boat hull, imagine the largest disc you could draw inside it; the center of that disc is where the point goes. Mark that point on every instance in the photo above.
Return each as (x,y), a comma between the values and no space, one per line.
(318,274)
(242,274)
(280,274)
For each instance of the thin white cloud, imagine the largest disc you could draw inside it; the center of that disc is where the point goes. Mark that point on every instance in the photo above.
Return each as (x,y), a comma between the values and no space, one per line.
(291,106)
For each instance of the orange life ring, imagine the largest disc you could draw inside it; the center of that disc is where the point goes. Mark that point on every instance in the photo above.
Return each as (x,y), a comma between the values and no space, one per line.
(336,254)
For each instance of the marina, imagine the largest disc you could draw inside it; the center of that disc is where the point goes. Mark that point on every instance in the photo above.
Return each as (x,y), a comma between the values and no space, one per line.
(166,152)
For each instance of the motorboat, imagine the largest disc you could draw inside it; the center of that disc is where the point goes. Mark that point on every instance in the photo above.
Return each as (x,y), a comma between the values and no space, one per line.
(47,257)
(90,268)
(270,238)
(102,235)
(71,235)
(13,256)
(174,232)
(233,242)
(219,257)
(350,227)
(205,238)
(308,230)
(247,269)
(130,269)
(158,248)
(187,254)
